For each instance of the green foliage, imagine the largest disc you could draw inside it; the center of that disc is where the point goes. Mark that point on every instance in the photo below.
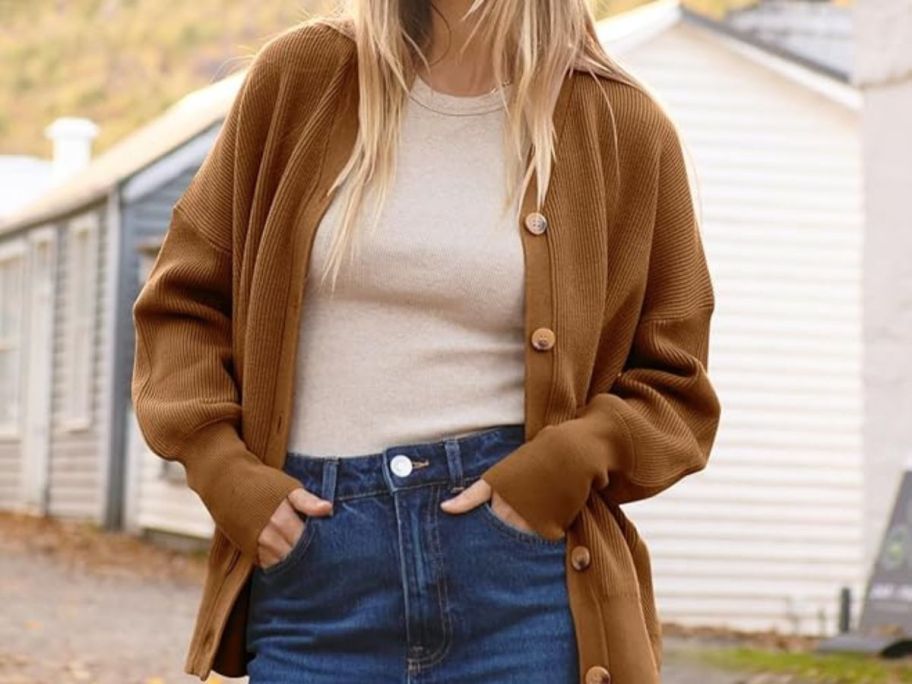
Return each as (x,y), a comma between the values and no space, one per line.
(820,668)
(121,62)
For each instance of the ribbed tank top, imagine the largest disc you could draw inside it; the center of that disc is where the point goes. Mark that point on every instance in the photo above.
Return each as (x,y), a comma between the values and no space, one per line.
(423,337)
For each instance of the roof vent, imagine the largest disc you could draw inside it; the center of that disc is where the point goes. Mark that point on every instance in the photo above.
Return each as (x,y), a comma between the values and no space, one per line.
(72,138)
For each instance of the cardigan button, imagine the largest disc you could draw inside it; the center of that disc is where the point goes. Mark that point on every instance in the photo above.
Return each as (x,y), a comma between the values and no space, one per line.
(598,675)
(580,557)
(535,223)
(543,339)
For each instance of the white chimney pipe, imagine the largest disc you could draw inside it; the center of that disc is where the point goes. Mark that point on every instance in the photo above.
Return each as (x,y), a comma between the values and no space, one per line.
(72,138)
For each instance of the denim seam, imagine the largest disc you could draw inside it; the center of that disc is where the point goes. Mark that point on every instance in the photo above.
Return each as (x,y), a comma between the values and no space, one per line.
(436,657)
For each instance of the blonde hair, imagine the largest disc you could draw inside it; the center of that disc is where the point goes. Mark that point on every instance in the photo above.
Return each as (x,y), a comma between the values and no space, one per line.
(533,45)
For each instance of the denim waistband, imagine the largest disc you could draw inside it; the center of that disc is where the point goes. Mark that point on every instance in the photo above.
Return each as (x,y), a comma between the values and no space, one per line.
(450,461)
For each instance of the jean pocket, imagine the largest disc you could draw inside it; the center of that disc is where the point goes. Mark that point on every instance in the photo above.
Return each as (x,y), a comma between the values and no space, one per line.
(510,530)
(296,552)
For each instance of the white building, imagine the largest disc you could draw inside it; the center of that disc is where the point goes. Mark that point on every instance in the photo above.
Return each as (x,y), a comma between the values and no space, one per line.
(769,532)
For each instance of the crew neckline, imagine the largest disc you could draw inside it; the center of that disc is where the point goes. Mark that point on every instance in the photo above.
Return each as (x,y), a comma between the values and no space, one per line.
(455,105)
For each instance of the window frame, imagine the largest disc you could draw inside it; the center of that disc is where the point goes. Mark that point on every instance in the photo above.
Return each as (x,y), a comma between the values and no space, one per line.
(80,320)
(13,251)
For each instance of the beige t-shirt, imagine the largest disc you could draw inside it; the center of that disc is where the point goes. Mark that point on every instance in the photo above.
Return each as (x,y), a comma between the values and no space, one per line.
(423,337)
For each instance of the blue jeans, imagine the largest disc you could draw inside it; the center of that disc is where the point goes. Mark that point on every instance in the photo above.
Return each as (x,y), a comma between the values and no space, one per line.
(391,588)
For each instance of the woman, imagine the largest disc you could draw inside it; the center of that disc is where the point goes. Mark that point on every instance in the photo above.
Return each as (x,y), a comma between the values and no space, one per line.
(434,305)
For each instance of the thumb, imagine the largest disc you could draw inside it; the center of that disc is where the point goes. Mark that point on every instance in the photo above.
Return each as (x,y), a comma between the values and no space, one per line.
(477,493)
(309,503)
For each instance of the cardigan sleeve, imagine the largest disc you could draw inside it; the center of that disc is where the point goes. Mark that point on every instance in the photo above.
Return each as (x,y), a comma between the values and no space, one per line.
(184,391)
(647,426)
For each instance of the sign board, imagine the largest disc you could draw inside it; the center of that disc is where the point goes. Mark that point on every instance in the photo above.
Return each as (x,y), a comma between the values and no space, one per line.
(885,626)
(887,605)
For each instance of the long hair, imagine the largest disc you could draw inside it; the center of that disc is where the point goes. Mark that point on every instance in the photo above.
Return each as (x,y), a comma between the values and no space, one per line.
(533,46)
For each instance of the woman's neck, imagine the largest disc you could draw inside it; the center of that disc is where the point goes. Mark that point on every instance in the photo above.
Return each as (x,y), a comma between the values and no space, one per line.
(469,74)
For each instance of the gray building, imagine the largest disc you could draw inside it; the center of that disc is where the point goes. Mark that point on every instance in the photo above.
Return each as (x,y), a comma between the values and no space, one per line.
(71,263)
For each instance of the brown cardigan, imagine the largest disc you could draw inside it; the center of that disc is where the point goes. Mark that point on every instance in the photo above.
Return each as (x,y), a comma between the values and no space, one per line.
(618,404)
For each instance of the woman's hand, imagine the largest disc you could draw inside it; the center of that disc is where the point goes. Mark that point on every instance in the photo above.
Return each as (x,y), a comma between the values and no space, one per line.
(475,495)
(285,526)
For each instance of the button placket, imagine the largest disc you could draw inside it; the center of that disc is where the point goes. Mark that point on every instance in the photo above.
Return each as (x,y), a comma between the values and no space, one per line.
(533,226)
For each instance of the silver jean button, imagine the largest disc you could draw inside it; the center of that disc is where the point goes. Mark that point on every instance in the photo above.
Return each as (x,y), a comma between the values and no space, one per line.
(401,465)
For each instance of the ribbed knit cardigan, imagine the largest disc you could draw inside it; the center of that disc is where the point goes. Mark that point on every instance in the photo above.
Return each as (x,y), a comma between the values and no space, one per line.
(618,402)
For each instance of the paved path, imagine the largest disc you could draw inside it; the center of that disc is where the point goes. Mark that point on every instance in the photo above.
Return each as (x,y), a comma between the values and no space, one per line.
(66,619)
(69,625)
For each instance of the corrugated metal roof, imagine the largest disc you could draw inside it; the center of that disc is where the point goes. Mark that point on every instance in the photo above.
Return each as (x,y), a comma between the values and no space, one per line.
(819,32)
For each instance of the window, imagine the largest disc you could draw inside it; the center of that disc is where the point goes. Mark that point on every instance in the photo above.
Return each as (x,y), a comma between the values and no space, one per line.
(11,309)
(80,321)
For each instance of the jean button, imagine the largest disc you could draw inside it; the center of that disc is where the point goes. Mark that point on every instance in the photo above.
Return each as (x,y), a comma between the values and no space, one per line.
(401,465)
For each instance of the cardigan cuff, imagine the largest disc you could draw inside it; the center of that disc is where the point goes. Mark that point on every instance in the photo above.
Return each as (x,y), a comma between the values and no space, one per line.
(239,490)
(548,479)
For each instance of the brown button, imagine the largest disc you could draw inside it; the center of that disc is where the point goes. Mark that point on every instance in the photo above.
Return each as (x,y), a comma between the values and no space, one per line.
(543,339)
(536,223)
(580,557)
(598,675)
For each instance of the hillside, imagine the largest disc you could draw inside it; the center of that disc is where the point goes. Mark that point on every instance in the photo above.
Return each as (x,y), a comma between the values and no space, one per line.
(122,62)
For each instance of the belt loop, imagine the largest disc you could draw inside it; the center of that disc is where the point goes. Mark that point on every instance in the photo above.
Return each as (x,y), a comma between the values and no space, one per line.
(328,486)
(454,463)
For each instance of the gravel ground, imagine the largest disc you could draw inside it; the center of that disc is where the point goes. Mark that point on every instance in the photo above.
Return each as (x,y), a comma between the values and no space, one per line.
(79,605)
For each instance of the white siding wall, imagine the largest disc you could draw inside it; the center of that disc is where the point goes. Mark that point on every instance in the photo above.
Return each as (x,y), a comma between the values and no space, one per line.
(78,455)
(13,253)
(767,534)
